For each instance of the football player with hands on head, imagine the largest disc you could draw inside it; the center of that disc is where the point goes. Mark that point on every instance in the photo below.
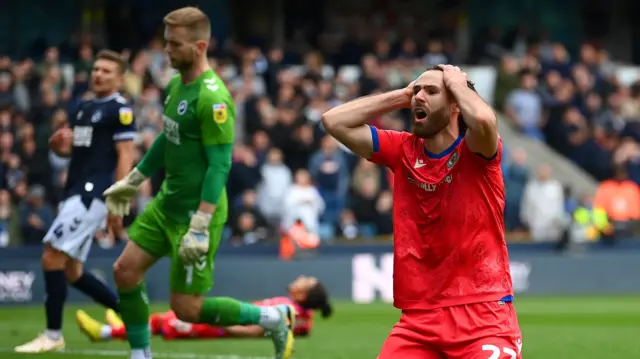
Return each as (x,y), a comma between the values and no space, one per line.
(451,268)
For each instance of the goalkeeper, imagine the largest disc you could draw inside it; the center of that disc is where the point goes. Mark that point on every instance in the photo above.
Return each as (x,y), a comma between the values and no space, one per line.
(185,220)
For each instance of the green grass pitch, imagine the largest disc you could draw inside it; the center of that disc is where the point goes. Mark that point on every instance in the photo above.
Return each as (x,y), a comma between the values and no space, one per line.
(553,327)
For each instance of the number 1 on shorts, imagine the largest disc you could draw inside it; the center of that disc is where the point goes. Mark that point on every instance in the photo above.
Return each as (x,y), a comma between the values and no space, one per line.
(189,270)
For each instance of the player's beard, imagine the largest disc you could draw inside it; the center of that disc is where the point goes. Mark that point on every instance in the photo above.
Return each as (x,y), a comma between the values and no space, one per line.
(435,122)
(184,63)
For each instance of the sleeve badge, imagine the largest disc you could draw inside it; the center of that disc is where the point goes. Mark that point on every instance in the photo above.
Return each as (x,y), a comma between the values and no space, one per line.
(126,116)
(220,113)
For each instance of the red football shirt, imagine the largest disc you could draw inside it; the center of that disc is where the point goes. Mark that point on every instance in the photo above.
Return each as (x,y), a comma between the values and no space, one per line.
(449,246)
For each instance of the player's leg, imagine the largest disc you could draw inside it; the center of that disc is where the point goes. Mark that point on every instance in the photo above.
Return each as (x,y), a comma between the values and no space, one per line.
(406,344)
(190,282)
(491,328)
(90,285)
(67,245)
(85,226)
(147,244)
(55,286)
(129,272)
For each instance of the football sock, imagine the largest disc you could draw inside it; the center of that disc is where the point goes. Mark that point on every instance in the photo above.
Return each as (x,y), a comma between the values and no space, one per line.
(106,332)
(134,309)
(55,287)
(224,311)
(140,353)
(97,290)
(270,317)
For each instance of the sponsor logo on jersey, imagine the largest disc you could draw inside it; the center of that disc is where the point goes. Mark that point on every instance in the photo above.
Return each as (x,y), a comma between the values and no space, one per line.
(82,136)
(182,107)
(126,116)
(220,113)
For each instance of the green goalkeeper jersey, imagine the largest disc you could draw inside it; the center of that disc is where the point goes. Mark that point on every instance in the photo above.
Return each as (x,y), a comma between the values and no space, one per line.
(196,115)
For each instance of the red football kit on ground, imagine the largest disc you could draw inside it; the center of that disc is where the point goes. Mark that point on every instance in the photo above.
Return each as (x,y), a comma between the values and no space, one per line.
(170,327)
(451,267)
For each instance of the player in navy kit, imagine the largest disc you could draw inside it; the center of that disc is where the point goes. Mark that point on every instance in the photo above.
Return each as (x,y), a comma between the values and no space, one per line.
(100,145)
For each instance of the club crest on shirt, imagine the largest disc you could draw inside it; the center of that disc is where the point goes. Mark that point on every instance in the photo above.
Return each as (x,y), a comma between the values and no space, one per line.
(182,107)
(452,160)
(126,116)
(220,113)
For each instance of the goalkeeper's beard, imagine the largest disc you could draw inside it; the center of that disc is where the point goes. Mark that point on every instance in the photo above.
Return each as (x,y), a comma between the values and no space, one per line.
(185,64)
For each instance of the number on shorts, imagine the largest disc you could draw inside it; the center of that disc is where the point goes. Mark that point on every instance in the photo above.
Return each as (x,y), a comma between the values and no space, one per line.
(75,224)
(58,231)
(189,270)
(495,351)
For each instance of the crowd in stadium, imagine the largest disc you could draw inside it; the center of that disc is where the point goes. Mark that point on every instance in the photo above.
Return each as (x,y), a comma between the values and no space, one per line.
(285,169)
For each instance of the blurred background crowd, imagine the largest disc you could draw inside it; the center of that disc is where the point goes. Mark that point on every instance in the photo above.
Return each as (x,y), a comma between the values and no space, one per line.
(286,172)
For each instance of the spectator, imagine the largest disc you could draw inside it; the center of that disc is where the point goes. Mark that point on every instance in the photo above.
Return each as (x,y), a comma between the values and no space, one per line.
(276,180)
(516,176)
(524,106)
(303,203)
(619,197)
(364,206)
(542,209)
(9,221)
(36,215)
(330,171)
(248,225)
(348,226)
(244,174)
(384,207)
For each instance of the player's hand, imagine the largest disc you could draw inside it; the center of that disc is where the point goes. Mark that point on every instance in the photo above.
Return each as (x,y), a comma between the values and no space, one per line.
(114,225)
(453,75)
(119,195)
(408,92)
(195,244)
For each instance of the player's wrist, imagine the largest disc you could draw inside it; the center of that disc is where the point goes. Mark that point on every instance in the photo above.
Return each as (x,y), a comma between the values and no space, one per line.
(135,177)
(200,221)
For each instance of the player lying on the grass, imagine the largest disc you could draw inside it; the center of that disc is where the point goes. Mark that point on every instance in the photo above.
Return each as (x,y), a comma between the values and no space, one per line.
(306,294)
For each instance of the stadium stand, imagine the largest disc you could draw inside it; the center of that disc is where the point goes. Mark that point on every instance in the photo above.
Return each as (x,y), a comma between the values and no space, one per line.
(578,107)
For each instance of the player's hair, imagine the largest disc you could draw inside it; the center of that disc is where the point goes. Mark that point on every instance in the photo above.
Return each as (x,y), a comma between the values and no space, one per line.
(318,298)
(113,56)
(461,124)
(191,18)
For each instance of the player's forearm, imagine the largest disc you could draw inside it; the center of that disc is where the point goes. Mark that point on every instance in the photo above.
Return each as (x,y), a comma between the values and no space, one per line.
(215,179)
(477,114)
(153,160)
(124,166)
(359,111)
(206,207)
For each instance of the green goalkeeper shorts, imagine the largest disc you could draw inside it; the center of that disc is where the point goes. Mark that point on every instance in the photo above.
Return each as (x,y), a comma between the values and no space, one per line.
(160,236)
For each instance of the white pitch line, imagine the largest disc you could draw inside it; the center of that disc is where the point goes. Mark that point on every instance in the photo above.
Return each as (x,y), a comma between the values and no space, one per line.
(125,353)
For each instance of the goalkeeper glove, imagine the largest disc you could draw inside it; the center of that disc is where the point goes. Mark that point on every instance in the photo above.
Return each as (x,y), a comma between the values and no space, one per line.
(195,244)
(119,195)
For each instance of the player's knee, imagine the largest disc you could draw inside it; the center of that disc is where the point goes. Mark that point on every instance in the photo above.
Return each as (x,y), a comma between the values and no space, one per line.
(125,275)
(53,259)
(187,307)
(73,271)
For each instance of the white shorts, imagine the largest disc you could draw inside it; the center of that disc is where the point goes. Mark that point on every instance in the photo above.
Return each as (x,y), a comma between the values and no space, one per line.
(73,230)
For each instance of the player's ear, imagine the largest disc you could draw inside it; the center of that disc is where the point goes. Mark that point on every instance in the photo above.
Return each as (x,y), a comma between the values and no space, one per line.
(201,46)
(455,108)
